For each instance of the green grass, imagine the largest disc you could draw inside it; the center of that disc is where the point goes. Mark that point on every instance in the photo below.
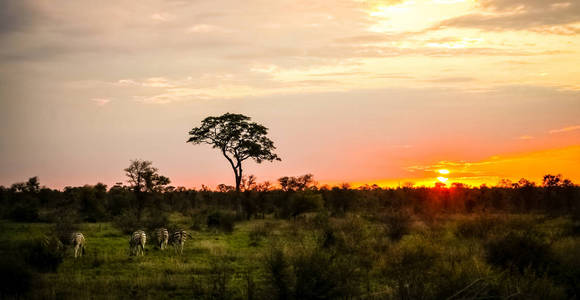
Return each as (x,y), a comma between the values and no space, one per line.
(446,260)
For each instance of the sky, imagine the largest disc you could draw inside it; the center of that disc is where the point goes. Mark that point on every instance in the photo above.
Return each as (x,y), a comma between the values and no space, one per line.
(386,92)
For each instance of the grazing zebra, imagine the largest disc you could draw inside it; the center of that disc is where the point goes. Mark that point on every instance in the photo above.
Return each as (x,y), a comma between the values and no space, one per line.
(78,241)
(162,238)
(137,242)
(178,240)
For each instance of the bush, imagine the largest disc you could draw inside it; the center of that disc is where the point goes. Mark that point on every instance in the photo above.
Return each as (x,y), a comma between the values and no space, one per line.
(198,221)
(302,202)
(127,222)
(411,269)
(44,254)
(478,228)
(15,279)
(222,221)
(322,275)
(397,223)
(24,213)
(220,274)
(154,220)
(519,251)
(278,269)
(312,274)
(64,227)
(258,232)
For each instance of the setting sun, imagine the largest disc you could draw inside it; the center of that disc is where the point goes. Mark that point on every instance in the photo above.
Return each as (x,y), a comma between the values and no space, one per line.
(442,179)
(443,171)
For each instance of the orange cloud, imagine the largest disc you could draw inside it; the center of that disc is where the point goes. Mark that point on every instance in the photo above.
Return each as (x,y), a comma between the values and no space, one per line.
(565,129)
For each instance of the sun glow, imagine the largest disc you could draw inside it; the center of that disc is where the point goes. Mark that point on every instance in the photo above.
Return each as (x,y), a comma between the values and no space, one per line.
(416,14)
(442,179)
(443,171)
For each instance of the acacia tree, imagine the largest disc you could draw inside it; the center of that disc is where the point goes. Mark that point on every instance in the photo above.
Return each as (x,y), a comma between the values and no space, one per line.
(237,138)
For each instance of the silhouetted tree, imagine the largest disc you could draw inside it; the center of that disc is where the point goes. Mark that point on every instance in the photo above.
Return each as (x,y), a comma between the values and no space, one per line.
(299,183)
(237,138)
(551,181)
(143,179)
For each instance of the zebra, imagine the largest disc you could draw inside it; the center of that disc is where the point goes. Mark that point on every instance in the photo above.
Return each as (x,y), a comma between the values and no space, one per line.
(78,241)
(137,242)
(162,238)
(178,240)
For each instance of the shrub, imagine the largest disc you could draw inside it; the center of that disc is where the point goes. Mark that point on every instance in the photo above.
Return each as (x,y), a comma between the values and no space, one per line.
(397,223)
(64,226)
(198,221)
(220,274)
(278,269)
(222,221)
(25,213)
(322,275)
(478,228)
(258,232)
(15,279)
(518,251)
(155,220)
(127,222)
(44,254)
(530,286)
(410,269)
(312,274)
(302,202)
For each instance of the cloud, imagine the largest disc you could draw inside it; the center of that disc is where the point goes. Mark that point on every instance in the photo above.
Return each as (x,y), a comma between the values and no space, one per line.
(565,129)
(17,15)
(552,16)
(162,17)
(526,137)
(206,28)
(451,79)
(101,101)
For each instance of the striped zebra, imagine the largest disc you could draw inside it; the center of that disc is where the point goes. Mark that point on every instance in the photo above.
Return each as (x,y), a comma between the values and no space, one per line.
(162,238)
(137,243)
(178,240)
(78,241)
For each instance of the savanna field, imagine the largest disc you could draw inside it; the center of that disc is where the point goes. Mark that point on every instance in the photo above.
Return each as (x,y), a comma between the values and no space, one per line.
(299,243)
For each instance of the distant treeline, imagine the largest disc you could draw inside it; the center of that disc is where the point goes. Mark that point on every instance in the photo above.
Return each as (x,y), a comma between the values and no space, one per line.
(293,196)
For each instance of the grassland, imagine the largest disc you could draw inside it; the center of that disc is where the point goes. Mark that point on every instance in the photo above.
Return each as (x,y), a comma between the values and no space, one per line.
(321,257)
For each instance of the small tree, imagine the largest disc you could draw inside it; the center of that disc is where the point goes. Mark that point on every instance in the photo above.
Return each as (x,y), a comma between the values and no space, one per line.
(144,179)
(237,138)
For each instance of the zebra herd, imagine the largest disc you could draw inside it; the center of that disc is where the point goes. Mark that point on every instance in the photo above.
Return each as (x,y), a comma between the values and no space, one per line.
(138,240)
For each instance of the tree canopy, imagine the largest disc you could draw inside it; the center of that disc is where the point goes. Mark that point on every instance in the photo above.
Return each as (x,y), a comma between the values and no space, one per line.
(143,177)
(237,138)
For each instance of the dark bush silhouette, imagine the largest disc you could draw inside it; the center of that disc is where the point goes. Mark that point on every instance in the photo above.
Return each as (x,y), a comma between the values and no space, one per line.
(24,213)
(15,279)
(411,269)
(44,254)
(519,251)
(397,224)
(221,220)
(478,228)
(278,269)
